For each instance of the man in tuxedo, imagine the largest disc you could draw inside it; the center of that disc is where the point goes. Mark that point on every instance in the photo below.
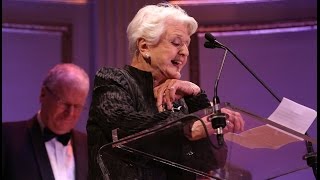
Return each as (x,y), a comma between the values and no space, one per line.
(46,147)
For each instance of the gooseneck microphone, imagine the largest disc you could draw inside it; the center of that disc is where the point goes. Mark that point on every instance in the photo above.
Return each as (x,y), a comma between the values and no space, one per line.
(218,119)
(212,43)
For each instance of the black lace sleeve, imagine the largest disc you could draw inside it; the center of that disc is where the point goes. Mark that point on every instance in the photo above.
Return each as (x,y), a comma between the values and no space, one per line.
(118,102)
(197,102)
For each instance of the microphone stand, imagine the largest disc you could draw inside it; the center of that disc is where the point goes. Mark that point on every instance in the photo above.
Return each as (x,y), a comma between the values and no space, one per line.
(218,119)
(311,156)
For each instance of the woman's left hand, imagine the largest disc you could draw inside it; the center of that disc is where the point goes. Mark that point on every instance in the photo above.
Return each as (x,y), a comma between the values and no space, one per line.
(172,90)
(195,130)
(235,122)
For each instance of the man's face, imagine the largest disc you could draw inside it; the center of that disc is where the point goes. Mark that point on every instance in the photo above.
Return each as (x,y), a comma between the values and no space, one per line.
(61,106)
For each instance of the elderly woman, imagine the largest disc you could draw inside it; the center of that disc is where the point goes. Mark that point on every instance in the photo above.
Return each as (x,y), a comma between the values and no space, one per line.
(147,94)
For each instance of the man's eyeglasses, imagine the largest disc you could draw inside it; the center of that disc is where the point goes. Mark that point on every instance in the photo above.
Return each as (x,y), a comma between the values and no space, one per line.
(63,104)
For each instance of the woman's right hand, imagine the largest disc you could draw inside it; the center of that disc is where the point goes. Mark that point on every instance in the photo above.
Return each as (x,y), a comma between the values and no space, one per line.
(172,90)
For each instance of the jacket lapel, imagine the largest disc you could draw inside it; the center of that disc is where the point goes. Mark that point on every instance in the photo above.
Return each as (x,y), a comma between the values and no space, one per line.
(40,150)
(80,155)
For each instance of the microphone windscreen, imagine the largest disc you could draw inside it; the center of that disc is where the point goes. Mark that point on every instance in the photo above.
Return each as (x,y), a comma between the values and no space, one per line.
(210,37)
(209,45)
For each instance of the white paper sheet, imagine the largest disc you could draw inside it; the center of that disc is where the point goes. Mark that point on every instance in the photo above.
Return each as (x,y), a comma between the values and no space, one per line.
(290,114)
(293,115)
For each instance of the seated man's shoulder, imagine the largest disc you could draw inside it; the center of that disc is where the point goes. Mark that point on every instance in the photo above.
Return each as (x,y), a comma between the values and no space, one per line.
(80,134)
(14,124)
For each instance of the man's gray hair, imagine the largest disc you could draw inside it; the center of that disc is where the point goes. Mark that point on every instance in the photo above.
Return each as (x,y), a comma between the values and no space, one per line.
(67,72)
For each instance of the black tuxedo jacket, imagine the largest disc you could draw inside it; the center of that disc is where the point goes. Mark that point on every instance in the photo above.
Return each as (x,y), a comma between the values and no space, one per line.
(24,154)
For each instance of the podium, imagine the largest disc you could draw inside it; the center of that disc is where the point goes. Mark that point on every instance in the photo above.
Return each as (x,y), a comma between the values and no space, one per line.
(254,154)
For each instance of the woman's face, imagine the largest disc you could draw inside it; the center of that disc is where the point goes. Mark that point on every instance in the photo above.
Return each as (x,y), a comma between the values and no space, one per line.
(169,56)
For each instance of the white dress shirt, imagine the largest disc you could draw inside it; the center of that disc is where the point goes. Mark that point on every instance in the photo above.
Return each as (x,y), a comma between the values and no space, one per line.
(61,157)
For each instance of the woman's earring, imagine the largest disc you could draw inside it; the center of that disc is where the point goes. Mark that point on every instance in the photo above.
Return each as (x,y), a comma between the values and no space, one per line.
(147,58)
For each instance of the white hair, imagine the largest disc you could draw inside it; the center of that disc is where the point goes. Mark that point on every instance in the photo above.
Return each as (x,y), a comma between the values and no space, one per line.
(149,23)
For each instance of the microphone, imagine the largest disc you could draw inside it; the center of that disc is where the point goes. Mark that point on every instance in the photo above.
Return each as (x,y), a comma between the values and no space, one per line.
(210,37)
(218,119)
(213,43)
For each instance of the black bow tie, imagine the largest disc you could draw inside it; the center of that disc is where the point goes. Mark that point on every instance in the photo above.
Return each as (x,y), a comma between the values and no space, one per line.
(63,138)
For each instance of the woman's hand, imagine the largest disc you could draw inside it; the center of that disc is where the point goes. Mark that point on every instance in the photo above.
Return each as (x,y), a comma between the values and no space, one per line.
(172,90)
(195,131)
(235,122)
